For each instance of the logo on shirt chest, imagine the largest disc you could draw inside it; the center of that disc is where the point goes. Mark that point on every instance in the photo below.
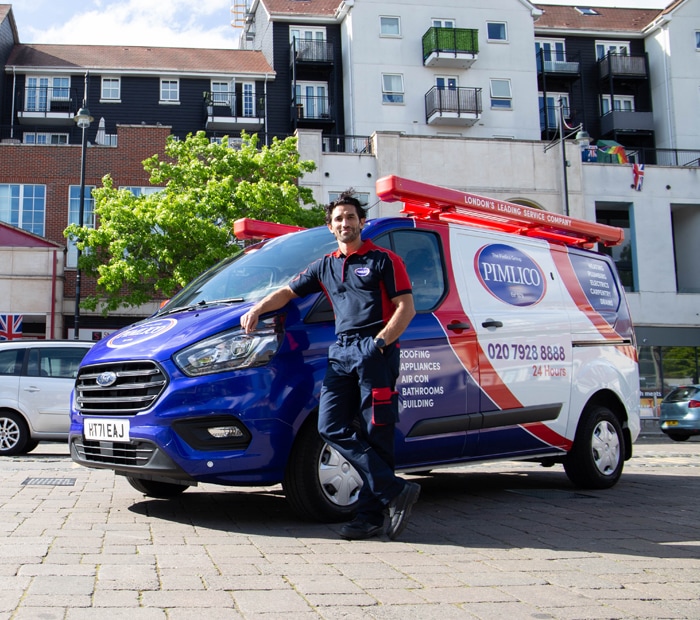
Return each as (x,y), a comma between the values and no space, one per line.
(362,271)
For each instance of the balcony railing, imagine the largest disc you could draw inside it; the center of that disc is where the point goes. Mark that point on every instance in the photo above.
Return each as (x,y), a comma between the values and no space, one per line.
(231,110)
(450,47)
(618,65)
(559,63)
(453,106)
(626,120)
(47,105)
(307,50)
(361,145)
(682,158)
(308,108)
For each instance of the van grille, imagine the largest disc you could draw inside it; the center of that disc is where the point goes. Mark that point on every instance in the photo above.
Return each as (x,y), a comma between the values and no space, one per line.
(135,454)
(124,388)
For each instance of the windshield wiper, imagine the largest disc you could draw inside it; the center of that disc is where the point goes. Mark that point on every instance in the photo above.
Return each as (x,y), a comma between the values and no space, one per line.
(203,304)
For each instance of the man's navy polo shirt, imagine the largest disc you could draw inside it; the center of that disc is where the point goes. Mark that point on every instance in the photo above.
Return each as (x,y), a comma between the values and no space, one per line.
(360,286)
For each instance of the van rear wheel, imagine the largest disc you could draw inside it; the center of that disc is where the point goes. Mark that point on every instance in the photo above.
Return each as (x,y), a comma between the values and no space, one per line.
(156,488)
(596,459)
(320,485)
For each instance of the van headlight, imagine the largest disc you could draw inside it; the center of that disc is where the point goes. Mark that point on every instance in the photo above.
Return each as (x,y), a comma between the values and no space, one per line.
(230,350)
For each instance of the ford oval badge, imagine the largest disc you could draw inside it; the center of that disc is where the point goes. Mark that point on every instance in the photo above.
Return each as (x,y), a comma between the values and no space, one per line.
(107,378)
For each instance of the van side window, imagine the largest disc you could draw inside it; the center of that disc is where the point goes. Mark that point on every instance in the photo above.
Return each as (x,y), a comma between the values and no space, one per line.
(423,258)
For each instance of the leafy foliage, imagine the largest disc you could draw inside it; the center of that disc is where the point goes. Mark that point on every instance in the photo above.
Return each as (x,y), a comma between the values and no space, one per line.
(148,246)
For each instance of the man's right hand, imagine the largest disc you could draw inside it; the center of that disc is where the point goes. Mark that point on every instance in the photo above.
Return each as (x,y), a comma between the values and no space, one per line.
(249,321)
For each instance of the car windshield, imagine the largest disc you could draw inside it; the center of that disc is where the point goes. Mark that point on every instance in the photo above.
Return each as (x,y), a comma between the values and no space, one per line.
(252,274)
(681,394)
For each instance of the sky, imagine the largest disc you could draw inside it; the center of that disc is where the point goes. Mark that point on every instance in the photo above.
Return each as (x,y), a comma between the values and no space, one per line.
(162,23)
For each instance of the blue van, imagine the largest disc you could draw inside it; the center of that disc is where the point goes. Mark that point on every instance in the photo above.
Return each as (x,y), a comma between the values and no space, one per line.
(522,348)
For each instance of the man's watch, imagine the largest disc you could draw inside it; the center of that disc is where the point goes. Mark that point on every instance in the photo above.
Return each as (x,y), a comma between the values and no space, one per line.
(380,343)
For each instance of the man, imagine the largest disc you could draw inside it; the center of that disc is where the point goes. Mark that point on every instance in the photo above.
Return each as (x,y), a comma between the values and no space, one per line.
(373,304)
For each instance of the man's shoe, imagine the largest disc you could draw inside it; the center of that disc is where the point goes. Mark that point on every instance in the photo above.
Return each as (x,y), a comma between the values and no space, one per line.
(400,509)
(360,530)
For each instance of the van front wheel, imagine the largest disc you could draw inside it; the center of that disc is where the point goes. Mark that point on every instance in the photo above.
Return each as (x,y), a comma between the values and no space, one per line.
(319,484)
(595,460)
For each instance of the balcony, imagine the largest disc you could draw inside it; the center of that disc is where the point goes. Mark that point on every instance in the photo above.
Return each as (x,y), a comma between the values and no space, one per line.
(558,64)
(312,111)
(626,121)
(309,51)
(47,106)
(453,106)
(455,48)
(617,65)
(234,111)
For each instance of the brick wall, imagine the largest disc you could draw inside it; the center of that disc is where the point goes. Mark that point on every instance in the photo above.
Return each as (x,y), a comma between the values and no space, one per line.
(58,167)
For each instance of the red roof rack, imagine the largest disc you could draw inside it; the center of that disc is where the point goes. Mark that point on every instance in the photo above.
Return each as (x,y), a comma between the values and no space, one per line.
(247,228)
(432,202)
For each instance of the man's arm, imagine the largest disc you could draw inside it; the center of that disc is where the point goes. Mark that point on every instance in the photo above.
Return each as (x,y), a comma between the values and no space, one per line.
(405,311)
(273,301)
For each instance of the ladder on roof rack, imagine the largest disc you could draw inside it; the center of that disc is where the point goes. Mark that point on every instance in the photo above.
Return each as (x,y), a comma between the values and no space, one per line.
(432,202)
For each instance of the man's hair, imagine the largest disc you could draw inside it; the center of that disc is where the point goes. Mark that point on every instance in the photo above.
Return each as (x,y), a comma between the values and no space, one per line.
(346,198)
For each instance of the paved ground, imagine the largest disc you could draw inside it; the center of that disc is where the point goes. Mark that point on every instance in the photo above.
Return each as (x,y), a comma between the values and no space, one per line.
(509,540)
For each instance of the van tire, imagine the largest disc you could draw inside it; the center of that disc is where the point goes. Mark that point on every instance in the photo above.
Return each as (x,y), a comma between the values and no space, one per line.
(678,436)
(596,459)
(156,488)
(319,484)
(14,434)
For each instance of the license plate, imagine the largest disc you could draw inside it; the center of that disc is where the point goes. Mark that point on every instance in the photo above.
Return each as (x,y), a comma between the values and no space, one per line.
(99,429)
(671,423)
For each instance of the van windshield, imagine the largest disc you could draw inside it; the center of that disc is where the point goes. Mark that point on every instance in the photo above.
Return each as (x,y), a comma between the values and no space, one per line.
(261,269)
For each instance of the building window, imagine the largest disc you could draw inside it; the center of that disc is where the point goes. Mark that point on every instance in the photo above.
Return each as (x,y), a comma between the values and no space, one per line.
(686,251)
(311,100)
(23,206)
(169,90)
(111,89)
(501,96)
(392,88)
(389,26)
(550,51)
(74,218)
(110,139)
(623,254)
(586,10)
(697,40)
(248,99)
(143,190)
(620,103)
(362,197)
(446,82)
(44,138)
(46,94)
(603,48)
(443,23)
(496,31)
(309,43)
(551,109)
(222,94)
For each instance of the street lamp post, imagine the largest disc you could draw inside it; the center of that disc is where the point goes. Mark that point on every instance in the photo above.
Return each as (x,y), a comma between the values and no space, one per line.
(83,120)
(582,138)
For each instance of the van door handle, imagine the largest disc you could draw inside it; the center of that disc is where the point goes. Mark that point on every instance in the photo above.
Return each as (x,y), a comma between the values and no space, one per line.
(458,326)
(491,323)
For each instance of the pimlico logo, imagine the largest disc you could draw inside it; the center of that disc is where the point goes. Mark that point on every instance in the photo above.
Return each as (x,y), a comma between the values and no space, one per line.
(510,275)
(140,333)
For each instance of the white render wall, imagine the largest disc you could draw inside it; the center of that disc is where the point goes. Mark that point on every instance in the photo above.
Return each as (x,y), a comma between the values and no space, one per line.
(674,68)
(366,55)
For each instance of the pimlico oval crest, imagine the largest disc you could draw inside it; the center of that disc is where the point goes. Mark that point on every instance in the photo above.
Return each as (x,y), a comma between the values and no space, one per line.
(141,332)
(510,275)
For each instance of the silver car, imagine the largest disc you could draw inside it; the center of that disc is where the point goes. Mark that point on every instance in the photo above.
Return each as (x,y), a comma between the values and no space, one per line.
(680,412)
(36,379)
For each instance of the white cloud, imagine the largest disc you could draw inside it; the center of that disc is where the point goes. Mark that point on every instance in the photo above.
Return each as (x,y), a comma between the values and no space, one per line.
(171,23)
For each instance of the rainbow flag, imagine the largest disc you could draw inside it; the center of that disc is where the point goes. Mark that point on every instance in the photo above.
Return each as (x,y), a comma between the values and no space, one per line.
(618,151)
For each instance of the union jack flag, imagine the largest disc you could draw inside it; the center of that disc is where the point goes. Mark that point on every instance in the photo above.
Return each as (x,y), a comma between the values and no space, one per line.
(638,172)
(10,326)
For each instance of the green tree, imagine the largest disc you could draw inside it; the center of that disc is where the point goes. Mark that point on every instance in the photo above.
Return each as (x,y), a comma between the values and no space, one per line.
(148,246)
